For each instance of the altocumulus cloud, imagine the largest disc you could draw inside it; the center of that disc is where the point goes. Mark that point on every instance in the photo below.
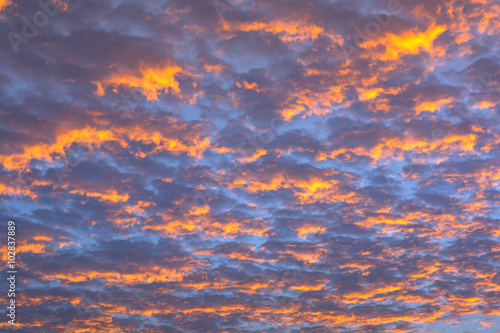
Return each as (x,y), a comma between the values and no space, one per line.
(252,166)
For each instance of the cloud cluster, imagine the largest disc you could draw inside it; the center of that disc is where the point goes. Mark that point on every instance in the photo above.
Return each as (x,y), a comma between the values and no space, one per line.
(252,166)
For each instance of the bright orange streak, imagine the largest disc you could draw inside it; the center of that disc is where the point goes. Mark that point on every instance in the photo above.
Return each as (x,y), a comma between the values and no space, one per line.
(111,195)
(254,157)
(287,31)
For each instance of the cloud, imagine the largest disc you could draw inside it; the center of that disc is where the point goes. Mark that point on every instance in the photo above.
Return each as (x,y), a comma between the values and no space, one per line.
(318,166)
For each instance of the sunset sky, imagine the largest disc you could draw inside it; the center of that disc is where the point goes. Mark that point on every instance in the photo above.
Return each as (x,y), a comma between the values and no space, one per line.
(251,166)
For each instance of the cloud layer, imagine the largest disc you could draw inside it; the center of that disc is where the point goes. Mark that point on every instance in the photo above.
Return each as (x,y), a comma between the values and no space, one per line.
(252,166)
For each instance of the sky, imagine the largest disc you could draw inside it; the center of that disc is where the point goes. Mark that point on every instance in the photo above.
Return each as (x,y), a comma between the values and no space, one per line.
(251,166)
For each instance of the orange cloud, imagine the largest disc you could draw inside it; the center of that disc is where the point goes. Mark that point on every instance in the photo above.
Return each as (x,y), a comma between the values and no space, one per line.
(91,137)
(254,157)
(94,138)
(306,229)
(288,31)
(249,86)
(310,190)
(308,255)
(110,195)
(4,3)
(151,80)
(307,101)
(37,244)
(17,190)
(432,105)
(395,147)
(406,43)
